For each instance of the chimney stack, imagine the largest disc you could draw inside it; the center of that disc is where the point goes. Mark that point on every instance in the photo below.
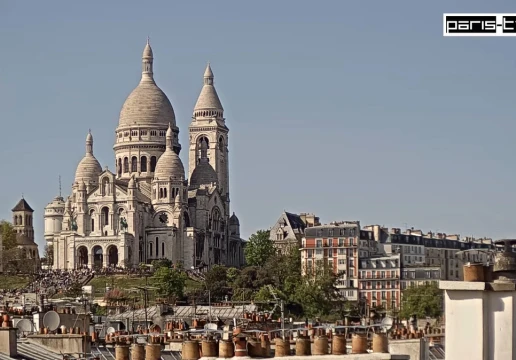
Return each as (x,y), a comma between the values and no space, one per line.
(8,345)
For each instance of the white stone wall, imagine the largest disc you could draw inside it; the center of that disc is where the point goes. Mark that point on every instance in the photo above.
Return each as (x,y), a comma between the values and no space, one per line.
(480,323)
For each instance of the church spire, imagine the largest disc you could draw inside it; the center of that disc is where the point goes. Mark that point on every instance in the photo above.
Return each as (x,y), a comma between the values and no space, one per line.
(208,104)
(89,143)
(169,138)
(208,75)
(147,61)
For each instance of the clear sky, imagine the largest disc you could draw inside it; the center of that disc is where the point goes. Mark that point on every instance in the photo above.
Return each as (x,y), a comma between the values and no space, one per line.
(354,110)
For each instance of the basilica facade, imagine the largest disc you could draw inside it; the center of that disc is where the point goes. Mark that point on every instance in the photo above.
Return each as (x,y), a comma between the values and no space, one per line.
(149,208)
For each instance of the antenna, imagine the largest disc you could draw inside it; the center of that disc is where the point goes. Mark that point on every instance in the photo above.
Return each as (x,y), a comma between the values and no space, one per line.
(59,185)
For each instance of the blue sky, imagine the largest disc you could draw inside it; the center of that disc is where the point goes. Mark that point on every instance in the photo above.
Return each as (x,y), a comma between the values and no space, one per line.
(353,110)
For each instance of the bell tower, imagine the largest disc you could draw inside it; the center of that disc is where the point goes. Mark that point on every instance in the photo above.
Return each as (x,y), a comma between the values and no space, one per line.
(208,129)
(22,219)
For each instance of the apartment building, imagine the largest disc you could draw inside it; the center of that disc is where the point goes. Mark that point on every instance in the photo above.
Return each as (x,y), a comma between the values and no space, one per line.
(290,229)
(379,281)
(414,275)
(336,247)
(417,249)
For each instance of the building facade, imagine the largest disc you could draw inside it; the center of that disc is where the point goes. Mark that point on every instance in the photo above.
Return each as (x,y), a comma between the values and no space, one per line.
(334,247)
(290,228)
(148,208)
(375,264)
(379,281)
(417,249)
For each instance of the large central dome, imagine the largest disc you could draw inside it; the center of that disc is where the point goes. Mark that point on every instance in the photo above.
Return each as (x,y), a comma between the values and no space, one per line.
(147,104)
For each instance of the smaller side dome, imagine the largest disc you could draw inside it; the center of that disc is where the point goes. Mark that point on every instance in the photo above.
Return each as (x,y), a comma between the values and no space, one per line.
(203,174)
(89,168)
(57,203)
(169,164)
(233,220)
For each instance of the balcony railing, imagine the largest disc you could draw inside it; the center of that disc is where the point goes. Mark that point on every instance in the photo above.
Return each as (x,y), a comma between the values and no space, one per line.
(379,277)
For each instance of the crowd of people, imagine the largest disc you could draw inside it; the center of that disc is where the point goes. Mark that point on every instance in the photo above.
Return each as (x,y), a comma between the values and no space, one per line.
(50,282)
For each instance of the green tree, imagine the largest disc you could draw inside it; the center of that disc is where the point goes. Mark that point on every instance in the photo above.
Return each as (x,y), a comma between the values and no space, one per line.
(8,235)
(170,282)
(423,300)
(156,264)
(49,255)
(284,270)
(252,278)
(259,248)
(318,295)
(217,282)
(231,275)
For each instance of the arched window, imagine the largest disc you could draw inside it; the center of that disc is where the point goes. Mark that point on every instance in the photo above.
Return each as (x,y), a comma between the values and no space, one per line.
(157,247)
(134,164)
(105,187)
(92,214)
(119,167)
(150,249)
(152,163)
(126,165)
(199,142)
(221,143)
(165,192)
(215,218)
(160,193)
(143,164)
(162,249)
(105,216)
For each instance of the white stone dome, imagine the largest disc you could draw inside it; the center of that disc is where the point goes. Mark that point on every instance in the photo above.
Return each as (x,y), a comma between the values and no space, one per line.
(169,165)
(147,105)
(57,203)
(88,169)
(203,174)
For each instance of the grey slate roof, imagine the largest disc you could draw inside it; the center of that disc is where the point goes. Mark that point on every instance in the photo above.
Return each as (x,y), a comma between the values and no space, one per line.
(295,221)
(184,312)
(22,206)
(29,351)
